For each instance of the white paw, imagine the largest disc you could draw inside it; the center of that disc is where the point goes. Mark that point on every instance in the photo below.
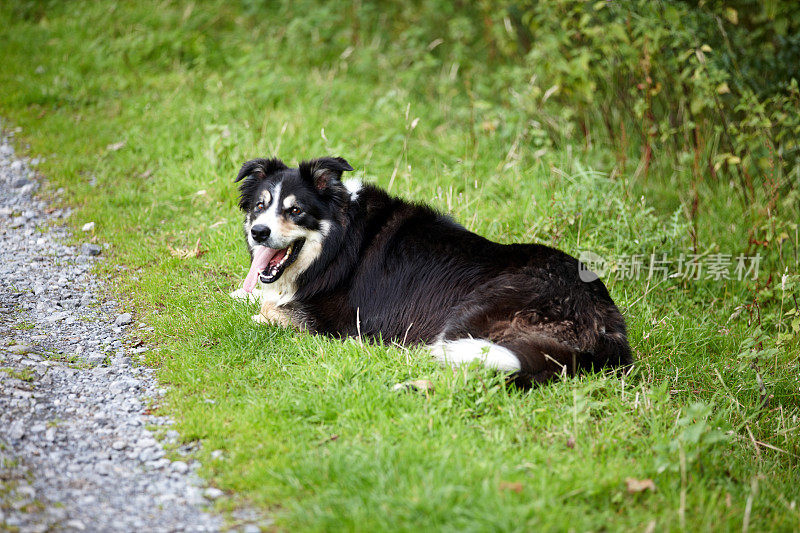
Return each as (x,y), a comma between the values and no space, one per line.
(260,319)
(250,297)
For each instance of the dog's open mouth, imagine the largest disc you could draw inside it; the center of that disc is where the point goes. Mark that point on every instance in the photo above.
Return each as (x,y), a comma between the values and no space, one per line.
(280,261)
(269,263)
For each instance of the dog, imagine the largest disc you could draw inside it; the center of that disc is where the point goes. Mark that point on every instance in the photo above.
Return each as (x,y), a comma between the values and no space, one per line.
(345,258)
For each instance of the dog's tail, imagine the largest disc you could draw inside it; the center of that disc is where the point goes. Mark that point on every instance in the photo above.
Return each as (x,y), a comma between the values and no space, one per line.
(528,358)
(542,358)
(464,351)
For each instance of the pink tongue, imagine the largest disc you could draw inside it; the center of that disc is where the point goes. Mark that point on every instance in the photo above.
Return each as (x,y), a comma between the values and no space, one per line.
(261,257)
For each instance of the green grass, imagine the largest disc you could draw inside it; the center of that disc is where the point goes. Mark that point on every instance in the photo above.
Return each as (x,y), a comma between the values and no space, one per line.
(26,374)
(310,428)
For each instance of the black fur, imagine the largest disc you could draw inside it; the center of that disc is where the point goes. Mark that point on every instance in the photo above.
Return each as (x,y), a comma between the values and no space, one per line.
(411,274)
(253,173)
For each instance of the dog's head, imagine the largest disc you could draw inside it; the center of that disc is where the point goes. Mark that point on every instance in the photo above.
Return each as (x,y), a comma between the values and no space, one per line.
(288,213)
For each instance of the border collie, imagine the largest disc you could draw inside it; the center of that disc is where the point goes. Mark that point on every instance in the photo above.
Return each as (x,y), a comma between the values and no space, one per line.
(344,258)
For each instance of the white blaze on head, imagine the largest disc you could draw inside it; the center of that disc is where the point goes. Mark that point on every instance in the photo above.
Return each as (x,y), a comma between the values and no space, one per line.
(270,216)
(248,224)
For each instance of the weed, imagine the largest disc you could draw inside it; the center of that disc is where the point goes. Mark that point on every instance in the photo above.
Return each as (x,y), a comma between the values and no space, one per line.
(26,374)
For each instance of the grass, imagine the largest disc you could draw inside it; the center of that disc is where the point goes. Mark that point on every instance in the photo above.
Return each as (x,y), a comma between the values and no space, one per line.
(25,374)
(144,112)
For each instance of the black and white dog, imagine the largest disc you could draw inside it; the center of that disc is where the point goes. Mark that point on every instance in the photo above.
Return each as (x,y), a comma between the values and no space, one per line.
(346,258)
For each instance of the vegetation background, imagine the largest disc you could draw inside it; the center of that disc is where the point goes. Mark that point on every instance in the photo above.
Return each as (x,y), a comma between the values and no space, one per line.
(624,128)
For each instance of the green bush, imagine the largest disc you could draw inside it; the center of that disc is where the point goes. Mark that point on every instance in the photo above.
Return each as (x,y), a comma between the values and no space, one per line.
(709,85)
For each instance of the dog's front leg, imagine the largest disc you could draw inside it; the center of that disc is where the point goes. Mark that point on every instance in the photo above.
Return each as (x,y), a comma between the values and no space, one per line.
(250,297)
(270,314)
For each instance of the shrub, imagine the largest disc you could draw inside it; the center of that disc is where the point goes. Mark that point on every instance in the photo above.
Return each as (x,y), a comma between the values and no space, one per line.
(709,86)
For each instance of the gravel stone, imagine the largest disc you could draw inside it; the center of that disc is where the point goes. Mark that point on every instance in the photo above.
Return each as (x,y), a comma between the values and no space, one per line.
(89,226)
(179,467)
(67,458)
(20,349)
(123,319)
(76,524)
(212,493)
(91,249)
(95,359)
(16,431)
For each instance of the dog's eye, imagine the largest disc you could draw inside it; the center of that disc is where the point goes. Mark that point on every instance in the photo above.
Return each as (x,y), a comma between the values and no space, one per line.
(294,210)
(260,206)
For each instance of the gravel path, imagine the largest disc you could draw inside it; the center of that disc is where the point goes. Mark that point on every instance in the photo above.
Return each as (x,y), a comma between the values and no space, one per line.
(75,451)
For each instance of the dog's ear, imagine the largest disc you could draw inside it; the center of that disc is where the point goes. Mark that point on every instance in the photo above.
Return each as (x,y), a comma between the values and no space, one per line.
(260,168)
(252,173)
(324,172)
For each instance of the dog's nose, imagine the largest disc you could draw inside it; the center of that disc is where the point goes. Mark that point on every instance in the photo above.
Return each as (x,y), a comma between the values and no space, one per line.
(260,232)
